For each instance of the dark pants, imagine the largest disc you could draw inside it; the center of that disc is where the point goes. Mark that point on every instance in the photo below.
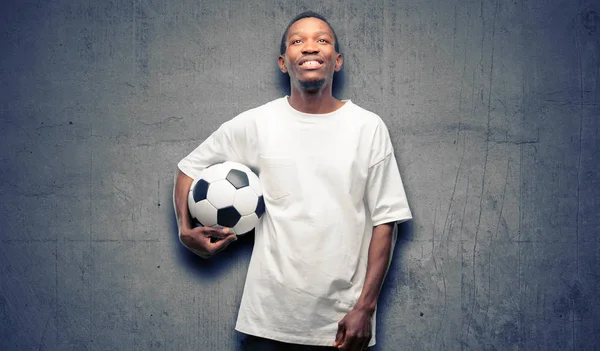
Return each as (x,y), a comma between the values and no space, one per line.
(254,343)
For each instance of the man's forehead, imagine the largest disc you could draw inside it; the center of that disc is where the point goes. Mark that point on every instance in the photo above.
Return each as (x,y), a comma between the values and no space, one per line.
(310,24)
(320,32)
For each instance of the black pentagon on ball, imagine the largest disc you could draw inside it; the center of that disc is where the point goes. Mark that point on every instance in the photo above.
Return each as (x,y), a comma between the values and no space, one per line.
(260,207)
(237,178)
(228,217)
(200,190)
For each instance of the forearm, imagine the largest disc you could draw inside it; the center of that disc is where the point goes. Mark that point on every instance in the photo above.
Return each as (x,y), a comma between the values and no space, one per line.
(377,264)
(180,201)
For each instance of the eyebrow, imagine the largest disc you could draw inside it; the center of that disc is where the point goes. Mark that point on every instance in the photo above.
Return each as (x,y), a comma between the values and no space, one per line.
(319,33)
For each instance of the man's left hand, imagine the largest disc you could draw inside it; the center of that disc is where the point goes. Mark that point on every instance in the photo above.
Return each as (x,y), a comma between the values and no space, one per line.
(354,331)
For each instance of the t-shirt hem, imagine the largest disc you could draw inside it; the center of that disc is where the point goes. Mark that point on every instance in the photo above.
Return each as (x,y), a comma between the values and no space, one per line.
(293,339)
(188,171)
(396,219)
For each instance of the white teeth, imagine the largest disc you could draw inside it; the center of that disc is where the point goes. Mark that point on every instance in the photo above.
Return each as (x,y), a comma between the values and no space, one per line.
(310,63)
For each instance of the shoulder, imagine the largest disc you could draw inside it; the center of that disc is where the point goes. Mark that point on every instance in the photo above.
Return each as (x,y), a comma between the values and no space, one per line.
(250,117)
(374,133)
(258,111)
(366,119)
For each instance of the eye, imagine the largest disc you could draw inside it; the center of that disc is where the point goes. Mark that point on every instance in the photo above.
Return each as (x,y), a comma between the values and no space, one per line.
(296,41)
(323,40)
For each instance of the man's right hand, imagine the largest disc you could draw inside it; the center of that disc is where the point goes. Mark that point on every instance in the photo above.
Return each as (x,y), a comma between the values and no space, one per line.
(199,240)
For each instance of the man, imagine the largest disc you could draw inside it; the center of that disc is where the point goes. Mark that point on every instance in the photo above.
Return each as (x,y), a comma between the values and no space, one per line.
(332,193)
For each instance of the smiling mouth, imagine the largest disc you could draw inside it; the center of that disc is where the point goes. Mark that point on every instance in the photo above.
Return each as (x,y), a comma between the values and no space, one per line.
(311,64)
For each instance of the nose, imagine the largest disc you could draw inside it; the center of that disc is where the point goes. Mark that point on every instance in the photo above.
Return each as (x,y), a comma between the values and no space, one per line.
(310,47)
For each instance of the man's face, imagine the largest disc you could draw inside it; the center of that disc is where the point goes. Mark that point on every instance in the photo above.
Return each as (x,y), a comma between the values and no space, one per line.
(310,57)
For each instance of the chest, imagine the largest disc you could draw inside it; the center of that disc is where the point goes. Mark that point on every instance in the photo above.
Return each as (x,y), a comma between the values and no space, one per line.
(327,148)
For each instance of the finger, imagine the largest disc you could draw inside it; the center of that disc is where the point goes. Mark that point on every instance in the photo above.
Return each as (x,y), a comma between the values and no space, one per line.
(346,343)
(368,340)
(355,344)
(198,231)
(365,344)
(222,244)
(339,336)
(218,232)
(212,231)
(362,340)
(194,237)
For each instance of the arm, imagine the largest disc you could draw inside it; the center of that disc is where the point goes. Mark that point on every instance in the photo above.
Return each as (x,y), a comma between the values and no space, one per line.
(228,142)
(387,204)
(197,239)
(180,196)
(354,330)
(380,251)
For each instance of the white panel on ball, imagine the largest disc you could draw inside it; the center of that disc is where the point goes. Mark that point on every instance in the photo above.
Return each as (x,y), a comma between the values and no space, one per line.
(204,212)
(245,200)
(214,173)
(221,194)
(246,224)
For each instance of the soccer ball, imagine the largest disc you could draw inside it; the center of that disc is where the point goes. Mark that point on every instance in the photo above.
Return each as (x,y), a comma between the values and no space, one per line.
(228,195)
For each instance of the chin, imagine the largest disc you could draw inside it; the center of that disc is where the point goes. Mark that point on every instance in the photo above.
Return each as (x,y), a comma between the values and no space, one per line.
(312,85)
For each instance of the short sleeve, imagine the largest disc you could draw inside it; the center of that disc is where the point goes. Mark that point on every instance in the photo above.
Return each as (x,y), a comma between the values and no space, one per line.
(385,193)
(228,143)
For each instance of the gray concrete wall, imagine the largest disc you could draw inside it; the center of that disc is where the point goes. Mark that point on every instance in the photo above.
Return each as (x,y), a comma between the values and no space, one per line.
(493,107)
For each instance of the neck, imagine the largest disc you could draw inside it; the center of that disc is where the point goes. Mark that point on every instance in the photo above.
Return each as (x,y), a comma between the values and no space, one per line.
(317,102)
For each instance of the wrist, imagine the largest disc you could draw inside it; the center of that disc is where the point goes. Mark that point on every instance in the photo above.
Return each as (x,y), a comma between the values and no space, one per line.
(184,231)
(365,307)
(184,222)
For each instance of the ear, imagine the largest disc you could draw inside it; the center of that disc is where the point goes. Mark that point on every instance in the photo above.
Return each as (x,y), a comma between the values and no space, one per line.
(339,60)
(281,63)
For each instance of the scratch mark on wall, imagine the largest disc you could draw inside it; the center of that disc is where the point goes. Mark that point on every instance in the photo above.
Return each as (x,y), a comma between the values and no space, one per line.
(164,121)
(443,276)
(462,77)
(579,165)
(461,251)
(485,162)
(454,39)
(446,225)
(43,336)
(492,243)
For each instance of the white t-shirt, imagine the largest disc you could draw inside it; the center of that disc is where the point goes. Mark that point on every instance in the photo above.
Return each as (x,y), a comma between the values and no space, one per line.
(327,180)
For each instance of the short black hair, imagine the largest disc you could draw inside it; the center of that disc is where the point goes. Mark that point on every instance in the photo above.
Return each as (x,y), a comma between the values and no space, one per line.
(306,14)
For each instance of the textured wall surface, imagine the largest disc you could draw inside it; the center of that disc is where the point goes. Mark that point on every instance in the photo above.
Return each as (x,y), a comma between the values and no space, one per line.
(493,108)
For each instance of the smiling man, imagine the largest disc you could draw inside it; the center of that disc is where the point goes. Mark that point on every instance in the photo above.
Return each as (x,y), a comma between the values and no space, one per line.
(332,193)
